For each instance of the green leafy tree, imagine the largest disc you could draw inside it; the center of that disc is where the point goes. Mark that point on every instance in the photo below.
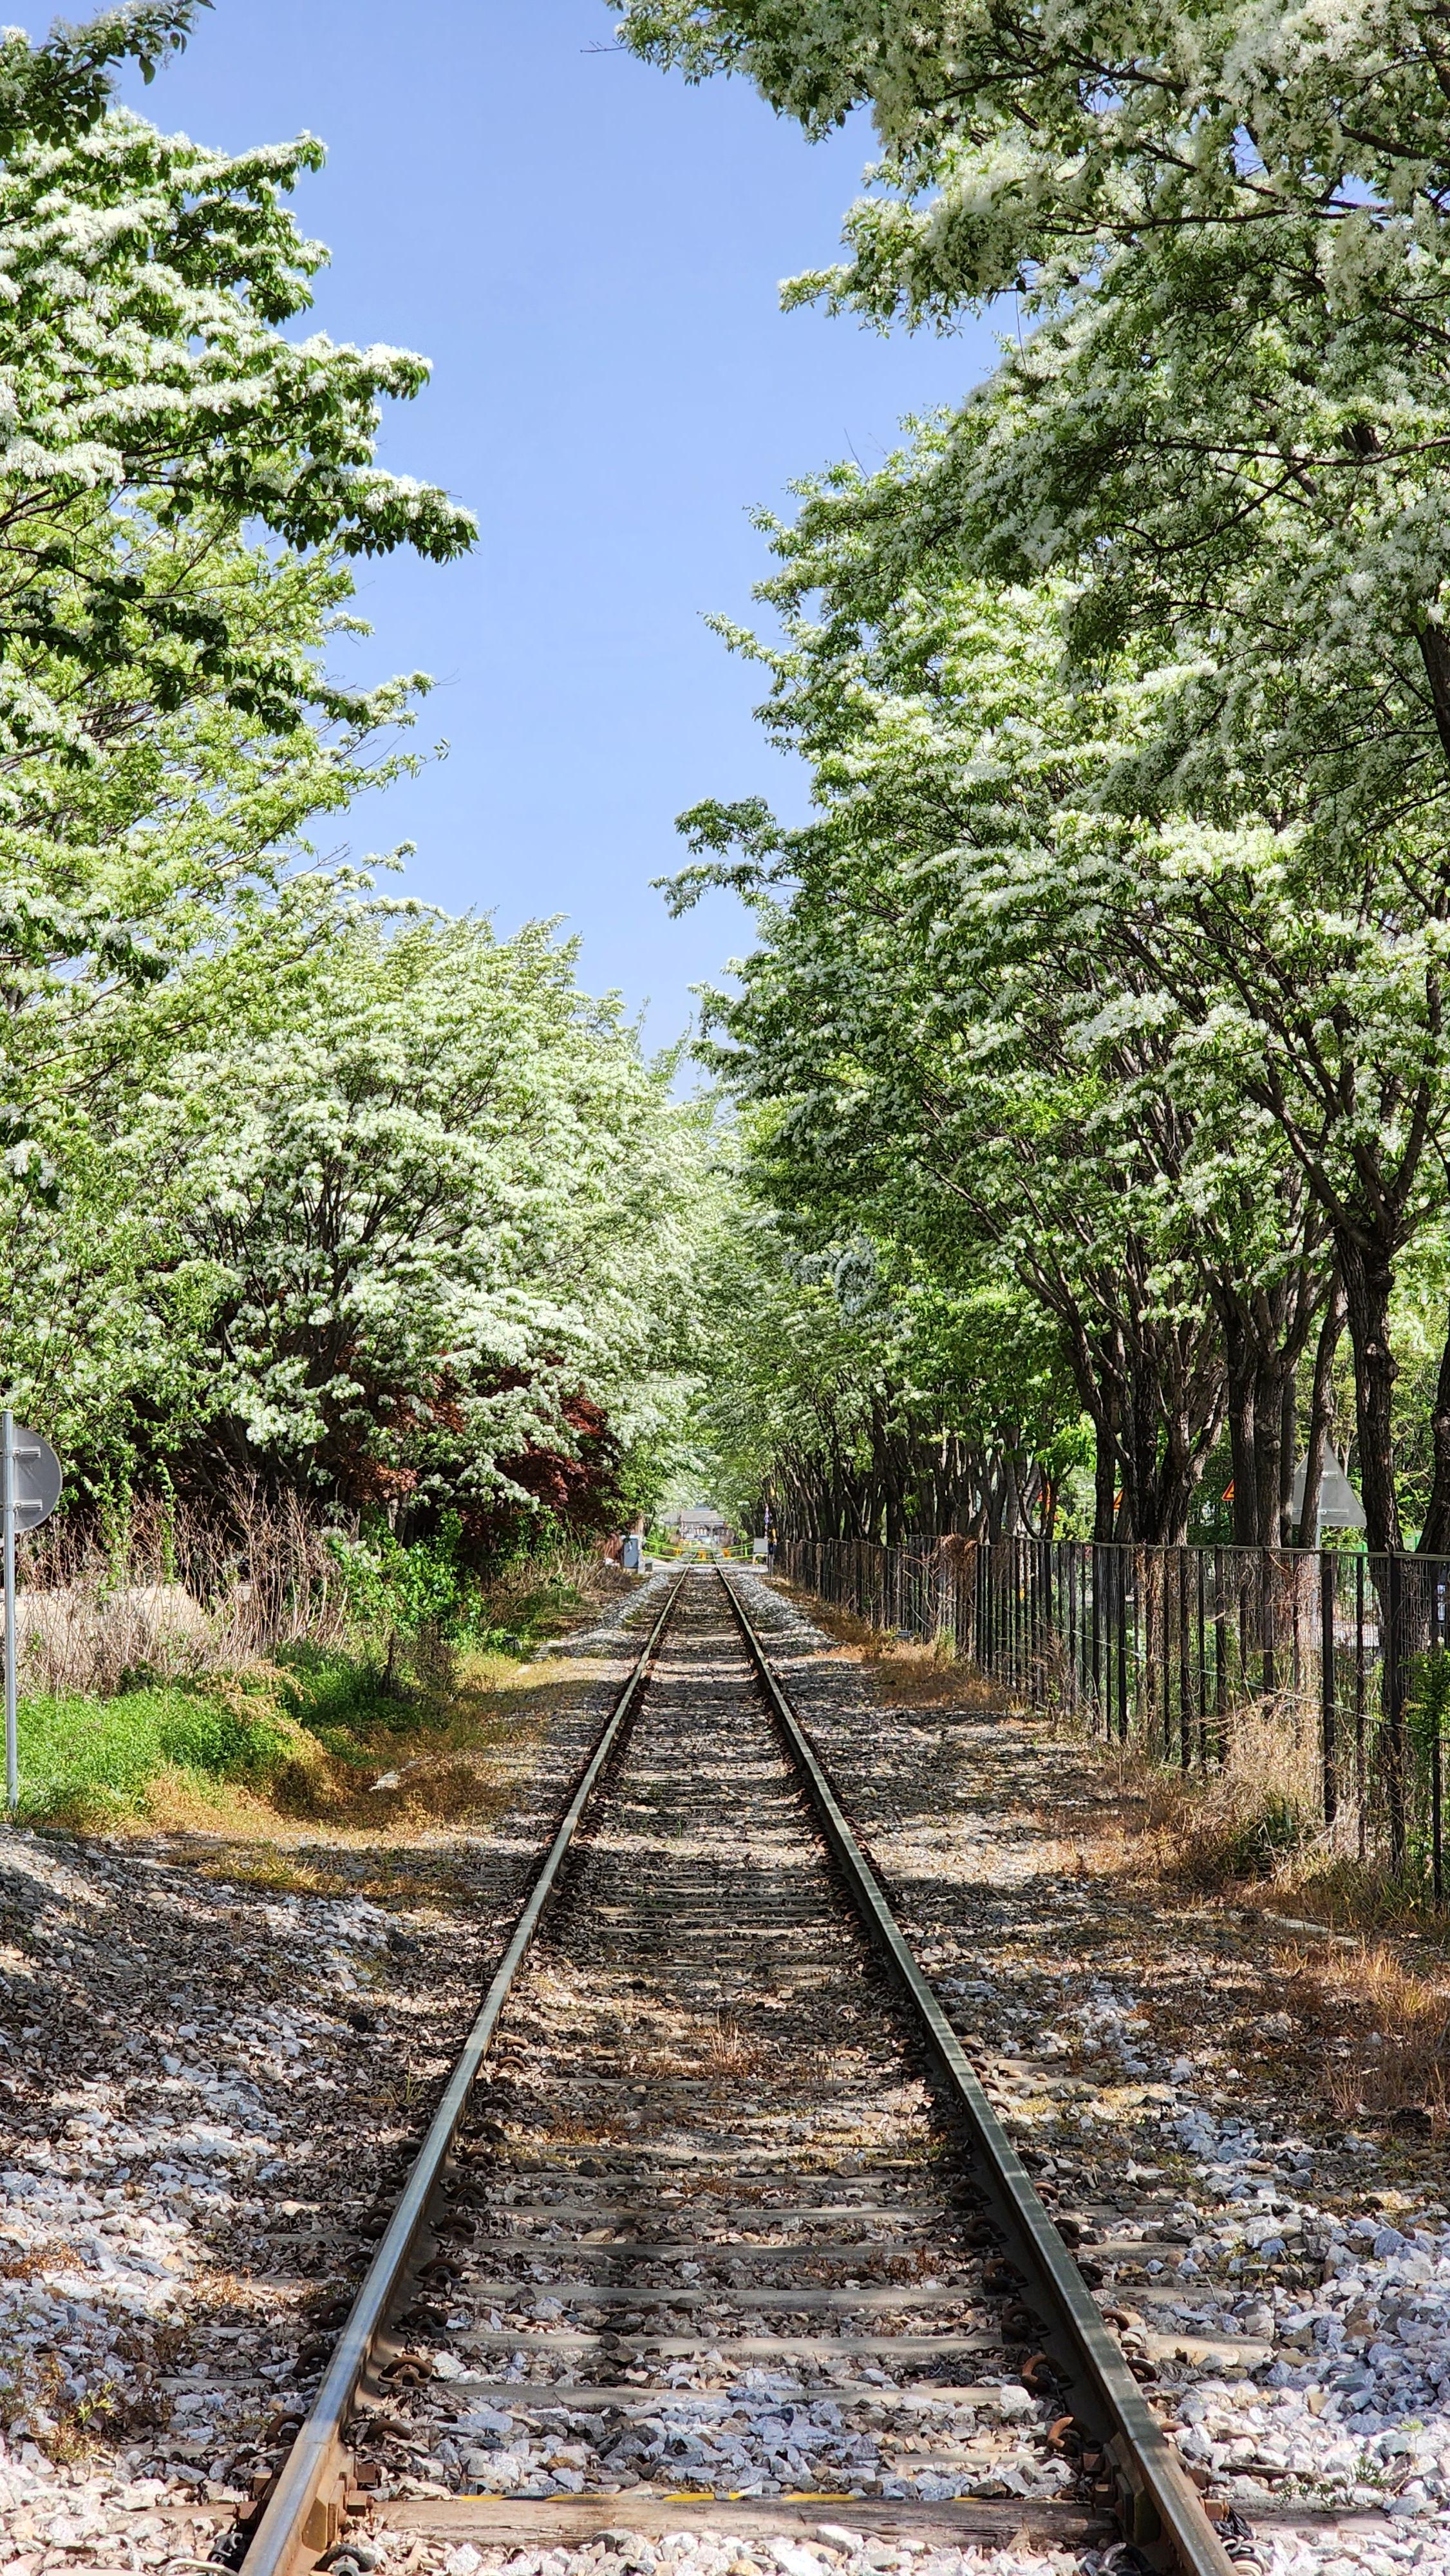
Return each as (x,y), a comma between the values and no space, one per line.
(961,1057)
(844,1387)
(1224,432)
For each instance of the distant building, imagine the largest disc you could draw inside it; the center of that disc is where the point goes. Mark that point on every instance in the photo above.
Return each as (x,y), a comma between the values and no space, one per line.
(699,1525)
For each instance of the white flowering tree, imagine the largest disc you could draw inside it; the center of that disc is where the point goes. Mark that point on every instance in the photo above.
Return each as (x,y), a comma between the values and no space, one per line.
(391,1197)
(291,1181)
(962,1056)
(157,422)
(1220,426)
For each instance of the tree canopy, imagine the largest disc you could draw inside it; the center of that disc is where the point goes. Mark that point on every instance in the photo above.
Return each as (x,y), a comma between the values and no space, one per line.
(301,1183)
(1117,954)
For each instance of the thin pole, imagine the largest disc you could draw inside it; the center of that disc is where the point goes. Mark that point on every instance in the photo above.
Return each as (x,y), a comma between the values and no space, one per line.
(1185,1686)
(1220,1658)
(7,1505)
(1329,1748)
(1101,1717)
(1392,1711)
(1361,1835)
(1202,1694)
(1124,1645)
(1437,1752)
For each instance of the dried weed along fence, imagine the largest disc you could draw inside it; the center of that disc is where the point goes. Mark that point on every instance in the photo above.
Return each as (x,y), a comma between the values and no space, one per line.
(175,1593)
(1325,1674)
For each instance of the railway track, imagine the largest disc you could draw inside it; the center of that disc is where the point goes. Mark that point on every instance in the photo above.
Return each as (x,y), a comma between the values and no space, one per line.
(714,2222)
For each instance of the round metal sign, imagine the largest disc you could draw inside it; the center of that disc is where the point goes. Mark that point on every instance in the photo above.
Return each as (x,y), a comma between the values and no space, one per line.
(38,1478)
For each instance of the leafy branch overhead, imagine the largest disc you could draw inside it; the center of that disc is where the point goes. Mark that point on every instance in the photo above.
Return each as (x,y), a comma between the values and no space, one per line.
(1113,966)
(298,1183)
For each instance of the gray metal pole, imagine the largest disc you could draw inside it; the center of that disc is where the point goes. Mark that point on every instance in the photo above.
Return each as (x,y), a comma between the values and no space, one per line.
(7,1504)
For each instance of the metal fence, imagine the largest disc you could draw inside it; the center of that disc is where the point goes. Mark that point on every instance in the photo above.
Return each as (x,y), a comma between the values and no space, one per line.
(1335,1664)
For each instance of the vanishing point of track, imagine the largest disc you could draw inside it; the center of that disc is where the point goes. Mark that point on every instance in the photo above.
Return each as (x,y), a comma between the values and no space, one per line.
(711,2147)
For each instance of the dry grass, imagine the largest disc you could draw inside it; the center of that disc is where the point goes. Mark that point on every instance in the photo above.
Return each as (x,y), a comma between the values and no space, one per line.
(727,2050)
(1252,1829)
(715,2051)
(910,1672)
(1367,2028)
(187,1597)
(1384,2028)
(375,1770)
(579,2128)
(461,1783)
(176,1594)
(1249,1822)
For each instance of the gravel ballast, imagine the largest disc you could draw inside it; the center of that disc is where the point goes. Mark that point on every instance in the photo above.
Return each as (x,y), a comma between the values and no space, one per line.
(1215,2208)
(209,2090)
(209,2093)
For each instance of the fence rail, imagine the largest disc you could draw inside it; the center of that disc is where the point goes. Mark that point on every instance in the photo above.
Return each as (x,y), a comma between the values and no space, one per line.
(1335,1664)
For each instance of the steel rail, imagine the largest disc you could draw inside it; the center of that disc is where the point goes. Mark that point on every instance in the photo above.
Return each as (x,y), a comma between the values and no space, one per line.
(1159,2506)
(303,2516)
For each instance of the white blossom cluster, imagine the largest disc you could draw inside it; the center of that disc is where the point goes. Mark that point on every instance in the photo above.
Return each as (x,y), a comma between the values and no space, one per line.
(1113,975)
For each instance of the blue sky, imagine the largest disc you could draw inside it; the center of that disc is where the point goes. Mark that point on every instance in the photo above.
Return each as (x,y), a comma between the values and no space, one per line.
(589,253)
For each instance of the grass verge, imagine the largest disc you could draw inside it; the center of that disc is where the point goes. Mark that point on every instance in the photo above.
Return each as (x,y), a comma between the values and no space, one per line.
(359,1734)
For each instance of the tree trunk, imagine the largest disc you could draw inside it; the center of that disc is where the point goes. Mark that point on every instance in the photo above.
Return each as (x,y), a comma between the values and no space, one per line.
(1435,1536)
(1262,1342)
(1172,1491)
(1241,1403)
(1288,1413)
(1011,1503)
(1105,1483)
(1368,1279)
(1307,1533)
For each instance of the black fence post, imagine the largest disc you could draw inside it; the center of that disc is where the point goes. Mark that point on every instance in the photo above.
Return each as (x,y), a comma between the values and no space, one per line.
(1220,1657)
(1125,1621)
(1436,1578)
(1437,1847)
(1094,1554)
(1202,1701)
(1392,1710)
(1361,1766)
(1185,1687)
(1328,1748)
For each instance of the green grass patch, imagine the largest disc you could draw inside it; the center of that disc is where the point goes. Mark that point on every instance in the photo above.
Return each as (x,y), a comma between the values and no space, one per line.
(347,1702)
(83,1759)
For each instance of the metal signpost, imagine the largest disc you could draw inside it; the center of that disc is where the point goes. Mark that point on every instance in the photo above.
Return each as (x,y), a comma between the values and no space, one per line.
(30,1482)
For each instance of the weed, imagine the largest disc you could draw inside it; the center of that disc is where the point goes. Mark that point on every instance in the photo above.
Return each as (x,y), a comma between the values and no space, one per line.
(909,1672)
(308,1732)
(1396,2025)
(92,1761)
(1279,1826)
